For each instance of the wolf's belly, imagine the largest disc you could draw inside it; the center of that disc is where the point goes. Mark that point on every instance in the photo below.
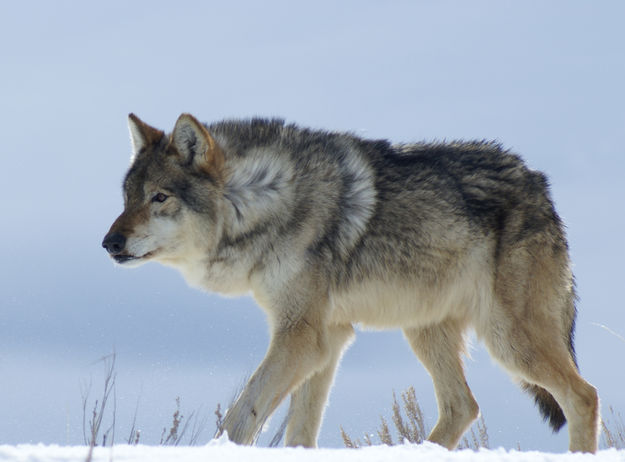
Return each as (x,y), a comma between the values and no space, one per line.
(403,303)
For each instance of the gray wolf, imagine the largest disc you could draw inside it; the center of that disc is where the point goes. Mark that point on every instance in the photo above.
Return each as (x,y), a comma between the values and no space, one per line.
(328,230)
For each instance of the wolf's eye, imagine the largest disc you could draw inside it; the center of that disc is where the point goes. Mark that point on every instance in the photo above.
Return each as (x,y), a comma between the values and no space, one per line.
(160,197)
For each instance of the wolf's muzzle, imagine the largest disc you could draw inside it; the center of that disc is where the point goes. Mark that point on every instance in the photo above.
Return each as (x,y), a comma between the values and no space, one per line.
(114,243)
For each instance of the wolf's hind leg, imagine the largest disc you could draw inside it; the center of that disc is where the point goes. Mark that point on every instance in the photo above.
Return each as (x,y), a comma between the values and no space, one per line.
(530,332)
(439,348)
(309,400)
(548,370)
(541,358)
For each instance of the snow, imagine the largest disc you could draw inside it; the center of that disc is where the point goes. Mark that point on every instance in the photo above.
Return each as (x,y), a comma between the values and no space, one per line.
(225,451)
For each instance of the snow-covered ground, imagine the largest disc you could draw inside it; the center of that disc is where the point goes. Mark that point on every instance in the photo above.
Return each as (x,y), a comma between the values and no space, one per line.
(224,451)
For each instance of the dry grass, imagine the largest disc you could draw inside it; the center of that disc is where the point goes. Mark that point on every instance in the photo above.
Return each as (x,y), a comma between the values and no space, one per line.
(91,430)
(614,434)
(182,429)
(409,423)
(410,426)
(478,434)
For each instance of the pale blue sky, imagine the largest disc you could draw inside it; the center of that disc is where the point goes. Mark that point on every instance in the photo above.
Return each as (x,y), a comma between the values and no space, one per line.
(544,78)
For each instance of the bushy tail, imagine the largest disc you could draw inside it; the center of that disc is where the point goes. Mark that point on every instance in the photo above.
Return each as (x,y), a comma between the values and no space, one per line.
(547,404)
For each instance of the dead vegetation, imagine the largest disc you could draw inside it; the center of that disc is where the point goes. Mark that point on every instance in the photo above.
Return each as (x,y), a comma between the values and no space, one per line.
(408,422)
(99,417)
(613,430)
(409,425)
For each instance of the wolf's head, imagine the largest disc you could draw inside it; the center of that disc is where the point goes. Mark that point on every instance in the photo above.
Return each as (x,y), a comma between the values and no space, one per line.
(172,195)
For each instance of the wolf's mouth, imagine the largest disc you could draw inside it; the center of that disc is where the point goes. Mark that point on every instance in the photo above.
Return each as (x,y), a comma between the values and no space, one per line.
(124,258)
(121,259)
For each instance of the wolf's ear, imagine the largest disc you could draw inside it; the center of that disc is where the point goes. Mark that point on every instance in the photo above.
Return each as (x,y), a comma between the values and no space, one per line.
(196,146)
(141,134)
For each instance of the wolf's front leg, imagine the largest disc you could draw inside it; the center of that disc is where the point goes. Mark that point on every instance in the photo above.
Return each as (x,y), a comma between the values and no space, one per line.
(297,350)
(309,400)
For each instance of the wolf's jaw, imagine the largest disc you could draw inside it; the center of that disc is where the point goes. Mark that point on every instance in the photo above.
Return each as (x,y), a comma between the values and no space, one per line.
(121,259)
(132,260)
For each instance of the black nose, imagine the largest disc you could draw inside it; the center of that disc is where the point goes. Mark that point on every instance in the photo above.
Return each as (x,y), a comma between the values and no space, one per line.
(114,242)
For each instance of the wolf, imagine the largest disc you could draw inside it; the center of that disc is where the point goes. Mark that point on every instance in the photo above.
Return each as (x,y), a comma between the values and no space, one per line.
(329,230)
